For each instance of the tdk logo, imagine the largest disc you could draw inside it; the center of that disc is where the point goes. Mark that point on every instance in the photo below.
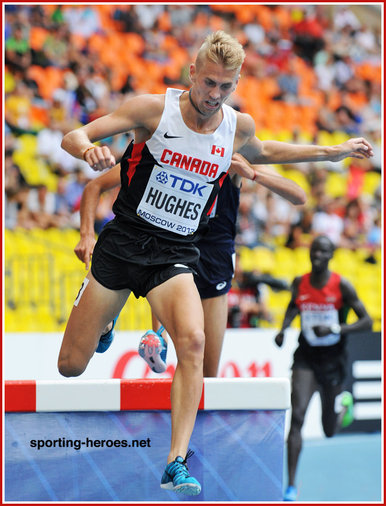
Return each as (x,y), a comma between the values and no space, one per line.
(162,177)
(186,185)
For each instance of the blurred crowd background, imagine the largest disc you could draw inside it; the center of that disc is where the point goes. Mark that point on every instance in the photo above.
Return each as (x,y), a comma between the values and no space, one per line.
(312,74)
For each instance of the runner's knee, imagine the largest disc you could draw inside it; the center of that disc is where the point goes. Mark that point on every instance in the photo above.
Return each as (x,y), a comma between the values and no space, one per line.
(190,347)
(297,420)
(71,365)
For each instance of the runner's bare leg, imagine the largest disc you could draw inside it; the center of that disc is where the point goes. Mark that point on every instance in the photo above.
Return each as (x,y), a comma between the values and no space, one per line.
(177,305)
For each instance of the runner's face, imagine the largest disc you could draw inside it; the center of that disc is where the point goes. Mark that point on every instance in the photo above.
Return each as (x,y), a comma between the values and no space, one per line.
(212,85)
(320,254)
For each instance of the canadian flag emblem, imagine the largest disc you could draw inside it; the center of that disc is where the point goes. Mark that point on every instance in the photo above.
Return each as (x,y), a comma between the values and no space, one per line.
(217,150)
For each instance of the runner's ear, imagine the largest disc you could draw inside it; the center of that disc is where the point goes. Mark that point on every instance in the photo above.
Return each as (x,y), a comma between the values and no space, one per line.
(192,72)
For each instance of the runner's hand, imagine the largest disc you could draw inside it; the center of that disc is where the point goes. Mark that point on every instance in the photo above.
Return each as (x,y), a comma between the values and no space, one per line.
(355,148)
(84,249)
(279,339)
(321,330)
(99,158)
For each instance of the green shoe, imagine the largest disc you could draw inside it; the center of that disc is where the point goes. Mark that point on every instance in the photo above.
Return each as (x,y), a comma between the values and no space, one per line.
(347,403)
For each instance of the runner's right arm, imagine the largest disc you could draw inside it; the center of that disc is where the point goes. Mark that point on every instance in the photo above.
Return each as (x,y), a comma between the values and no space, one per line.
(270,179)
(291,312)
(88,207)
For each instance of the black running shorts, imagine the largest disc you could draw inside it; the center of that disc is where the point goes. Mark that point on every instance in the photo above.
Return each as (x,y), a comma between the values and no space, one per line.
(330,369)
(214,270)
(138,261)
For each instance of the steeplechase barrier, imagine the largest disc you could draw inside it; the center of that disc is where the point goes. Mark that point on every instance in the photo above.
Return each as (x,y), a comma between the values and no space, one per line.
(107,440)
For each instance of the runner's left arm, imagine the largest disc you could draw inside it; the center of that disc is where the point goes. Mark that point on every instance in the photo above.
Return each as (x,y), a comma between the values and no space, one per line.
(351,299)
(276,152)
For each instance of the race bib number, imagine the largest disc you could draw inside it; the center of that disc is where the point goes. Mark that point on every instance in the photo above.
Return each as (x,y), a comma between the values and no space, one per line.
(174,202)
(313,318)
(81,290)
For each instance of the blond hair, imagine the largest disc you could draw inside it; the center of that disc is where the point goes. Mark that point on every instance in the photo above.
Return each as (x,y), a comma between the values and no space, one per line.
(220,47)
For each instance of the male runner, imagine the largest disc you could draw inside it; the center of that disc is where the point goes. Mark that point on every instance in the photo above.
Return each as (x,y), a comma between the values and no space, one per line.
(322,298)
(171,174)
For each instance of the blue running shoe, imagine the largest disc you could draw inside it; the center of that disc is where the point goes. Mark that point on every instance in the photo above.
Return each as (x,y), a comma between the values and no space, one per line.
(153,349)
(291,493)
(176,477)
(106,339)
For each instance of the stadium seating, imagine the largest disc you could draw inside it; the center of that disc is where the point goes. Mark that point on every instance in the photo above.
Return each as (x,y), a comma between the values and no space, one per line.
(42,274)
(42,277)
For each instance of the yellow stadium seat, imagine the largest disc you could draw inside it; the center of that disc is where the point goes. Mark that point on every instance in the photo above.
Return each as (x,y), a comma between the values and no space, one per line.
(28,144)
(263,259)
(299,178)
(265,134)
(371,182)
(279,300)
(284,264)
(338,137)
(336,185)
(246,258)
(324,138)
(302,256)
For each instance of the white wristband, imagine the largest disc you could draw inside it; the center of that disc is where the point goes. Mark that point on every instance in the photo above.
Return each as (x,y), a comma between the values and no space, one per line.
(335,328)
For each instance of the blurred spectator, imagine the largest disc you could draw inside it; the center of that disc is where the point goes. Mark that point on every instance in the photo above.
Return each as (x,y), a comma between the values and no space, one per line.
(37,16)
(299,235)
(16,193)
(97,83)
(366,39)
(43,212)
(246,302)
(288,82)
(104,211)
(49,149)
(341,51)
(344,17)
(375,137)
(326,119)
(60,109)
(55,50)
(83,21)
(155,51)
(57,16)
(356,178)
(355,226)
(127,17)
(308,33)
(181,15)
(60,205)
(374,239)
(347,121)
(84,95)
(281,214)
(371,110)
(255,34)
(327,221)
(249,228)
(317,179)
(18,105)
(324,71)
(74,190)
(343,69)
(148,14)
(17,49)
